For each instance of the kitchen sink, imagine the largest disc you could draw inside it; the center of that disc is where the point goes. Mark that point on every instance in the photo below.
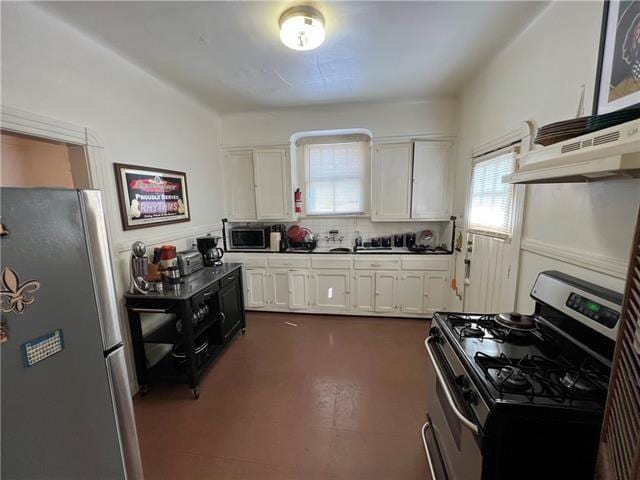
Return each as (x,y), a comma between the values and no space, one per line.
(340,250)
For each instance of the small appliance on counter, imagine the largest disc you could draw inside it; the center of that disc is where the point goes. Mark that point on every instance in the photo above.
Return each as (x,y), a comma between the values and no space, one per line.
(249,238)
(301,238)
(189,261)
(282,242)
(358,240)
(211,253)
(410,239)
(139,268)
(426,238)
(168,260)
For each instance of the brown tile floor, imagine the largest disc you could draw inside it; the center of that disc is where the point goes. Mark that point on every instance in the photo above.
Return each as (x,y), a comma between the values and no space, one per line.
(334,397)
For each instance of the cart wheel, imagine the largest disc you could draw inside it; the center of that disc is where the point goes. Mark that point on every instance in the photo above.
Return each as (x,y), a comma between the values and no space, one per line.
(243,331)
(196,393)
(144,389)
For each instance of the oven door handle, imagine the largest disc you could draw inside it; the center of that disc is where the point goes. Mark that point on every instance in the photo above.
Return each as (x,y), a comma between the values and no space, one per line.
(425,427)
(465,421)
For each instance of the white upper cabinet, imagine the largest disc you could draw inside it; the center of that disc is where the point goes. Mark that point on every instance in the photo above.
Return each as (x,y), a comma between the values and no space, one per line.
(431,181)
(412,181)
(392,178)
(239,185)
(273,194)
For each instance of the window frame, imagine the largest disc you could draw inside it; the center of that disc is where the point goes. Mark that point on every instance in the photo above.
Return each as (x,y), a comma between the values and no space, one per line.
(366,178)
(511,150)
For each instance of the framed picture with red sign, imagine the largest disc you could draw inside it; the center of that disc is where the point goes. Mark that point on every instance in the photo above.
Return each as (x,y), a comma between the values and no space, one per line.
(151,196)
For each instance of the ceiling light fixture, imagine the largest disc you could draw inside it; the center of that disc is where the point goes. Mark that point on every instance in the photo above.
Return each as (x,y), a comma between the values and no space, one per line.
(302,28)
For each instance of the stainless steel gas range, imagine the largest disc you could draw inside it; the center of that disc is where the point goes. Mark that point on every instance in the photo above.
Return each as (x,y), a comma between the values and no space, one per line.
(516,396)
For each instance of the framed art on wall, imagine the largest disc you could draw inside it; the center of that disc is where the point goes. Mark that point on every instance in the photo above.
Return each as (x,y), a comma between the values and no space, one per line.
(618,75)
(151,196)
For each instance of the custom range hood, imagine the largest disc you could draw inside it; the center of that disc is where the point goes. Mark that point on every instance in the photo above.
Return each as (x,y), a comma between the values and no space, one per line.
(608,153)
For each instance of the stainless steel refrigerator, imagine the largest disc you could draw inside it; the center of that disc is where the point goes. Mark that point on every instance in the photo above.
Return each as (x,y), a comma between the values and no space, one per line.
(66,405)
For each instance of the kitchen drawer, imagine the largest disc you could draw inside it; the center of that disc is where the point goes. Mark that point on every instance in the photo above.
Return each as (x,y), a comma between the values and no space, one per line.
(246,259)
(337,261)
(230,278)
(204,296)
(288,261)
(255,261)
(381,262)
(425,263)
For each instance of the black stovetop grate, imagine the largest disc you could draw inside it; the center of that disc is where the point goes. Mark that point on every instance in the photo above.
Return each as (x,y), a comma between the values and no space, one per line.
(535,376)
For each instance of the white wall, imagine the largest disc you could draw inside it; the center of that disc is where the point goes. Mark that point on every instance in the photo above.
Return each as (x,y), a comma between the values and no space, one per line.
(437,118)
(50,68)
(539,76)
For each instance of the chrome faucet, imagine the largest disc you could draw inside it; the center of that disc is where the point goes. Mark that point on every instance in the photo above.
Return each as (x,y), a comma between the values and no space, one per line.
(334,236)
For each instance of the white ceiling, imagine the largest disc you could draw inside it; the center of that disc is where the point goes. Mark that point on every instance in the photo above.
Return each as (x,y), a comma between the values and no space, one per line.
(229,55)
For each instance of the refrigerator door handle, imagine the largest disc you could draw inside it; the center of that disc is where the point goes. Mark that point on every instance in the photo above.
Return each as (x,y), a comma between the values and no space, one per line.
(100,258)
(123,409)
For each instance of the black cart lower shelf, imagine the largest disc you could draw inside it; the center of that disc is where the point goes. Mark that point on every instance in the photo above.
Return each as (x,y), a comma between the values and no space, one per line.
(215,290)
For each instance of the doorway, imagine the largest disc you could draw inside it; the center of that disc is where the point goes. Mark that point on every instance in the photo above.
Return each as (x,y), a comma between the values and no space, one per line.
(28,161)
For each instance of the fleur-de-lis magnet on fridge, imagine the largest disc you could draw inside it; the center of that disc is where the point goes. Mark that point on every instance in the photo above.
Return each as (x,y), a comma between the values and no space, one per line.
(14,295)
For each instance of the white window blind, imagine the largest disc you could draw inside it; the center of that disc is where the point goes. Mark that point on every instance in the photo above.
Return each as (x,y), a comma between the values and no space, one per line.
(491,202)
(336,178)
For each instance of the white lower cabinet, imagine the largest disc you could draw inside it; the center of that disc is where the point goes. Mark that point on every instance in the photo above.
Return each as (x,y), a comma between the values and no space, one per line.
(393,285)
(331,289)
(279,287)
(298,289)
(288,289)
(364,291)
(412,293)
(386,291)
(435,291)
(256,287)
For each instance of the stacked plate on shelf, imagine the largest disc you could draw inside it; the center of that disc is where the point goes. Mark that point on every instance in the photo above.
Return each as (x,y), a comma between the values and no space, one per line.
(598,122)
(560,131)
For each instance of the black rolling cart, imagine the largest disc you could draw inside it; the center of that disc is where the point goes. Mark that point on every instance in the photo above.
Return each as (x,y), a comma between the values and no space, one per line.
(204,313)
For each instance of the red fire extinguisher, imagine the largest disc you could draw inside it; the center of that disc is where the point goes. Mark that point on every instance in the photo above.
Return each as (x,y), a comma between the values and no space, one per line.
(297,196)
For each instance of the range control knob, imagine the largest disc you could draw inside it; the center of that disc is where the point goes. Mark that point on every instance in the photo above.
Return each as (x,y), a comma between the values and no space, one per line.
(470,396)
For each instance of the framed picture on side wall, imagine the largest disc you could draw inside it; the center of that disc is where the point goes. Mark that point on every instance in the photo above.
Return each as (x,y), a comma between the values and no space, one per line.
(618,75)
(151,196)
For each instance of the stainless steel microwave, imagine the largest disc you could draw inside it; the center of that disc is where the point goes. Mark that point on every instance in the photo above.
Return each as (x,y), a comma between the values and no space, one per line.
(250,238)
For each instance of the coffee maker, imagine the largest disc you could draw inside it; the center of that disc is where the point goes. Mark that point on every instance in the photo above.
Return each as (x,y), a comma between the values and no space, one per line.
(211,253)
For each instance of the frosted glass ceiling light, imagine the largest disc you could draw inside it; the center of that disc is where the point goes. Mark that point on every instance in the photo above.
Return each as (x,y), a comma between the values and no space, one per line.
(302,28)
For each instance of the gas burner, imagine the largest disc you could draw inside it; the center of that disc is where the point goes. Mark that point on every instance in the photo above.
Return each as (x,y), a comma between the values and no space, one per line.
(513,379)
(576,381)
(472,330)
(516,321)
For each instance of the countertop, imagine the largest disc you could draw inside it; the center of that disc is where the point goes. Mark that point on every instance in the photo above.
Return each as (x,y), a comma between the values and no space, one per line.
(326,251)
(189,285)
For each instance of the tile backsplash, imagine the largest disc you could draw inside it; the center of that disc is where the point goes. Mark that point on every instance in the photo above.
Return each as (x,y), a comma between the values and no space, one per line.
(349,227)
